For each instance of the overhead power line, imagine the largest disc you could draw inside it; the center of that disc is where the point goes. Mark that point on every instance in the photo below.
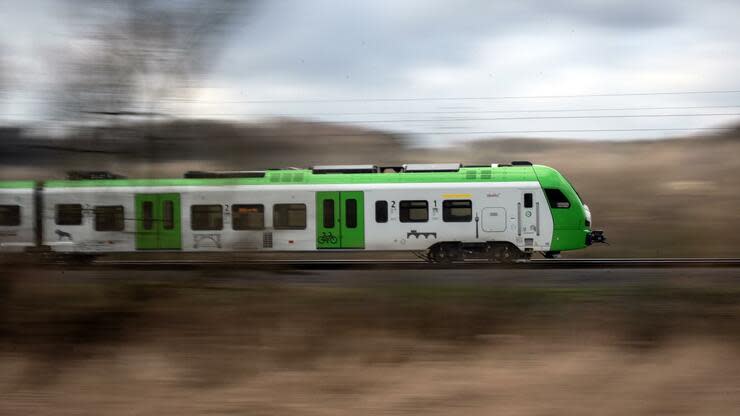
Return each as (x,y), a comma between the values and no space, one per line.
(524,111)
(388,113)
(469,98)
(533,118)
(493,132)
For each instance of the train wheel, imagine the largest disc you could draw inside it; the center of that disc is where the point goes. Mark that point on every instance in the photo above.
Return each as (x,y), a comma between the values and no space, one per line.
(441,253)
(505,253)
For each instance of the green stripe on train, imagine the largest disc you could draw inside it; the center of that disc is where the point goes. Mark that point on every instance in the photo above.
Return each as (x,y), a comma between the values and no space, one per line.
(17,184)
(306,177)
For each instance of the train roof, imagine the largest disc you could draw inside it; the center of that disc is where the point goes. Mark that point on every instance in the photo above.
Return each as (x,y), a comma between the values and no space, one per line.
(508,173)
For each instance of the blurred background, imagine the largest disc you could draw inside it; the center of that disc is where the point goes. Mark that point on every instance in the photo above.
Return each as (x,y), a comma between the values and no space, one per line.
(637,103)
(639,106)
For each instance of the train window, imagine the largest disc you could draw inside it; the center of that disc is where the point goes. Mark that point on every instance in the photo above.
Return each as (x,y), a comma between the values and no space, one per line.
(109,218)
(350,212)
(10,215)
(289,216)
(556,198)
(414,211)
(528,200)
(168,215)
(457,210)
(381,211)
(147,215)
(68,214)
(206,217)
(328,213)
(248,217)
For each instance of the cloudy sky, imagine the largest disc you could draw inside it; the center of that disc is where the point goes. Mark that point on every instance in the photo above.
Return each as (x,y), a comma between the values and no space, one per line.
(442,70)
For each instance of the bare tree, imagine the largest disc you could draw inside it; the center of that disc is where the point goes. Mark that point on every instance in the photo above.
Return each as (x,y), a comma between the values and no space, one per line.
(138,53)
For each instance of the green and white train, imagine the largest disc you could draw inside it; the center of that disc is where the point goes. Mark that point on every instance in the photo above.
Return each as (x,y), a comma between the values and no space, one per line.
(447,211)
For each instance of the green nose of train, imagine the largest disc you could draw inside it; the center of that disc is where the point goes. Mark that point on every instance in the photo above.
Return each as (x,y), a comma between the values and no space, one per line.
(571,217)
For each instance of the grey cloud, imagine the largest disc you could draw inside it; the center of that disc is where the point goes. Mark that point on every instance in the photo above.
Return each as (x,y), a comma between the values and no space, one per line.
(337,43)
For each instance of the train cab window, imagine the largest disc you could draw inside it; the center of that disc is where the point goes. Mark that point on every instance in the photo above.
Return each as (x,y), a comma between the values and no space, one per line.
(109,218)
(556,198)
(289,216)
(414,211)
(381,211)
(248,217)
(350,212)
(528,200)
(457,210)
(206,217)
(328,213)
(10,215)
(68,214)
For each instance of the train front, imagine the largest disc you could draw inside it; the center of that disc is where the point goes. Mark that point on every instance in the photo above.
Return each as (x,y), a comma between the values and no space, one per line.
(593,236)
(572,223)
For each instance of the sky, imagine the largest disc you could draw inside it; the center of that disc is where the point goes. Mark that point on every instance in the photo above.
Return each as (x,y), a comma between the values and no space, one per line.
(439,71)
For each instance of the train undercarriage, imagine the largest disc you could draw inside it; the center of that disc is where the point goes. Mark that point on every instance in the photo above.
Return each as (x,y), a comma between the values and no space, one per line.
(495,252)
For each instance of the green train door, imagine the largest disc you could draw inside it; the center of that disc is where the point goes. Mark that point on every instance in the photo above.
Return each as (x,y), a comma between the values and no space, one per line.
(158,222)
(340,220)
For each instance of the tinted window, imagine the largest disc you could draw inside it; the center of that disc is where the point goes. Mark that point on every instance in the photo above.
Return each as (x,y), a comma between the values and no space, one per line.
(289,216)
(527,200)
(109,218)
(248,217)
(168,215)
(206,217)
(10,215)
(414,211)
(457,211)
(556,198)
(381,211)
(68,214)
(147,215)
(328,213)
(350,212)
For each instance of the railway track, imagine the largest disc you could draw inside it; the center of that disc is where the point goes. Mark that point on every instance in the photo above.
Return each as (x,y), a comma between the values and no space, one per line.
(411,264)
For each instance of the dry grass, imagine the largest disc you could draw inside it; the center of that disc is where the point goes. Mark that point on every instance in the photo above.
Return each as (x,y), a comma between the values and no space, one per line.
(204,346)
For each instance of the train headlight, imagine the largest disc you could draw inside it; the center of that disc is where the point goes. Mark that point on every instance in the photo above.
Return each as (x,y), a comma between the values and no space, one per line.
(587,212)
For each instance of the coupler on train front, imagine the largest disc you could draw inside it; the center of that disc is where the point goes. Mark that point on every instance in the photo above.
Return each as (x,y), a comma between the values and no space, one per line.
(596,237)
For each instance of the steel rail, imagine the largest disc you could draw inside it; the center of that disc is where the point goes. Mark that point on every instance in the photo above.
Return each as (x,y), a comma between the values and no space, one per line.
(336,264)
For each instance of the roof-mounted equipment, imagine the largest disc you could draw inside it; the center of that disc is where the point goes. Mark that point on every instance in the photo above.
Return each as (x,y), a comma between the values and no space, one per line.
(78,175)
(318,170)
(197,174)
(521,163)
(431,167)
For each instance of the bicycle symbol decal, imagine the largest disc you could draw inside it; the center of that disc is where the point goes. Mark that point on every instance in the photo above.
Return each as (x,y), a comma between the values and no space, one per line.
(327,238)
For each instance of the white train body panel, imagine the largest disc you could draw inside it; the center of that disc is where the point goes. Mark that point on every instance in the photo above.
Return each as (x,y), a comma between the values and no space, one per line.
(496,207)
(20,236)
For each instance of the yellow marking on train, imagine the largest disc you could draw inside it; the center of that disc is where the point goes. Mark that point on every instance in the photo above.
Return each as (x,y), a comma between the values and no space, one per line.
(451,196)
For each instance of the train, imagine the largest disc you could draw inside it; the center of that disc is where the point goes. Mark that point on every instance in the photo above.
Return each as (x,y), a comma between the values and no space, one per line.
(444,212)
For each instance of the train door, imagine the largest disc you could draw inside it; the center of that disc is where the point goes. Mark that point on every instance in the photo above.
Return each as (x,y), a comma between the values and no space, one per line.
(529,218)
(158,222)
(340,220)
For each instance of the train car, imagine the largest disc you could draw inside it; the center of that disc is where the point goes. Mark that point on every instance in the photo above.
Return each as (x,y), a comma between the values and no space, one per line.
(447,211)
(17,216)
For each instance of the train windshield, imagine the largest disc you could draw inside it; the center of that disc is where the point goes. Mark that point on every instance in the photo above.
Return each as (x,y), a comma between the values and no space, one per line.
(574,189)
